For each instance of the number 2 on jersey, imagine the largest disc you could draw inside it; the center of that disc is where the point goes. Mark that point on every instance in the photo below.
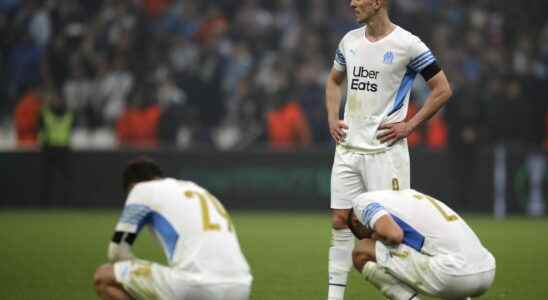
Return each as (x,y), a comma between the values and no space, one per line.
(448,217)
(204,198)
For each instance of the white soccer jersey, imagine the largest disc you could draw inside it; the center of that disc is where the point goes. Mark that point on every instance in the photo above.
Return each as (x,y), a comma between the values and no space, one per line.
(193,228)
(429,226)
(379,79)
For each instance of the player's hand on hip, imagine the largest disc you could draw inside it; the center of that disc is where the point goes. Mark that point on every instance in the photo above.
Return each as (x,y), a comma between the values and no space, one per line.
(392,133)
(338,128)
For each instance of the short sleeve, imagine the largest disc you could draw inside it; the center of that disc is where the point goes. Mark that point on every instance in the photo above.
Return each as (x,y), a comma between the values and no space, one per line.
(421,56)
(137,209)
(372,212)
(340,60)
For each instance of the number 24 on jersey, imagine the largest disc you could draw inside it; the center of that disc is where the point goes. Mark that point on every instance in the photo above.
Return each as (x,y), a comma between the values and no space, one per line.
(205,199)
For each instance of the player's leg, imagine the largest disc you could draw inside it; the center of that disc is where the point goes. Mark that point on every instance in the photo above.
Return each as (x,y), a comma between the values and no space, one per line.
(106,285)
(218,292)
(346,184)
(363,258)
(340,254)
(237,292)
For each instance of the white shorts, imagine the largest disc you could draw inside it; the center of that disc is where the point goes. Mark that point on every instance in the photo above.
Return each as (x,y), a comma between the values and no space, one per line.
(147,280)
(356,173)
(419,272)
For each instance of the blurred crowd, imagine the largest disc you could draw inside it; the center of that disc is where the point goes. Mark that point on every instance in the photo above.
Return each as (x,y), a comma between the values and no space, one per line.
(231,74)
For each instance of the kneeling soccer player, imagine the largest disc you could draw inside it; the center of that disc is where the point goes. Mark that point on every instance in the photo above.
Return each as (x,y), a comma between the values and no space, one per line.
(205,261)
(412,244)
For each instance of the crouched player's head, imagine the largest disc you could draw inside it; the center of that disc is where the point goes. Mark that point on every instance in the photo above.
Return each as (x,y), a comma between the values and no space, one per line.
(359,230)
(139,170)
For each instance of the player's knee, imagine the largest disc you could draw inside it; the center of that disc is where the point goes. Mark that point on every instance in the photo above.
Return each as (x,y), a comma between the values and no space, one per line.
(339,220)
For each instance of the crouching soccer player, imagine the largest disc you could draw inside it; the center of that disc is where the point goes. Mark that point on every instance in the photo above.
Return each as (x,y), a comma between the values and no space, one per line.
(205,261)
(412,244)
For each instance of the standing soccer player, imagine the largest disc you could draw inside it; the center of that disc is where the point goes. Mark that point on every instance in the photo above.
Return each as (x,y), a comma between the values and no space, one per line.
(380,62)
(204,257)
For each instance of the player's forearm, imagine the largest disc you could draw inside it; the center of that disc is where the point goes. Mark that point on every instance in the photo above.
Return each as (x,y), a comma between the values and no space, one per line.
(433,104)
(333,96)
(389,240)
(387,231)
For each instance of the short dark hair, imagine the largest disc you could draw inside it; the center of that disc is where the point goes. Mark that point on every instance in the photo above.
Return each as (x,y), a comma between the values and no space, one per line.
(139,170)
(359,230)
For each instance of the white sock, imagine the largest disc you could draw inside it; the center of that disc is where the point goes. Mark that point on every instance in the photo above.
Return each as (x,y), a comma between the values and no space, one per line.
(340,262)
(389,286)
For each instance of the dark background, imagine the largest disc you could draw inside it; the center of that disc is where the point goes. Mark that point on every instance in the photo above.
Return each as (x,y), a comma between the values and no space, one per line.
(196,83)
(259,179)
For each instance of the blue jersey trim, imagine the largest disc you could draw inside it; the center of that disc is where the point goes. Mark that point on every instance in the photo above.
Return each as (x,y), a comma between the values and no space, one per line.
(411,237)
(135,214)
(422,61)
(339,57)
(166,232)
(370,211)
(421,56)
(425,64)
(405,87)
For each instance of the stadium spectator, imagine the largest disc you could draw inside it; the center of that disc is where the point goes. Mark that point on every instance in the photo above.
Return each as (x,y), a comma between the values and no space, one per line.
(309,92)
(436,133)
(56,125)
(24,60)
(288,127)
(113,87)
(172,102)
(465,121)
(243,124)
(433,135)
(26,116)
(138,125)
(156,7)
(287,124)
(78,90)
(39,23)
(210,101)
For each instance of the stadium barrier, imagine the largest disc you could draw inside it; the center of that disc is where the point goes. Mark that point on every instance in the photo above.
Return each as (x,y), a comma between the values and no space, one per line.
(254,180)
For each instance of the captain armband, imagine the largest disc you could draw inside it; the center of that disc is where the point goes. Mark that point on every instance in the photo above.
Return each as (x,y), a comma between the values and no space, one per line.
(430,71)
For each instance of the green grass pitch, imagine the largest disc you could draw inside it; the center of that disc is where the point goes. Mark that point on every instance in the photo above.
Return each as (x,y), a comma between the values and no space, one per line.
(53,254)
